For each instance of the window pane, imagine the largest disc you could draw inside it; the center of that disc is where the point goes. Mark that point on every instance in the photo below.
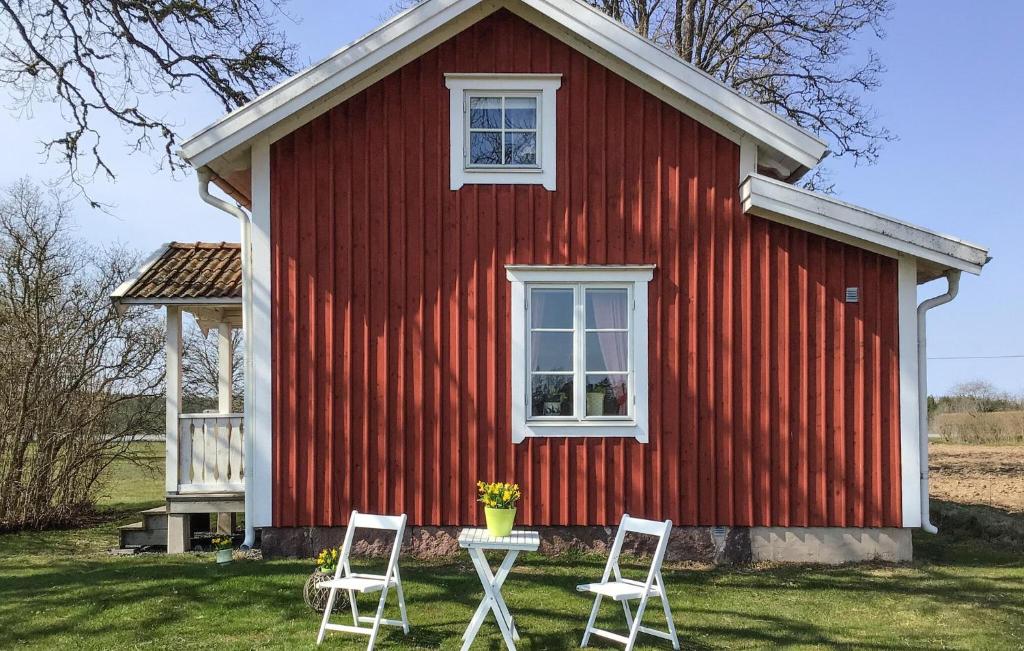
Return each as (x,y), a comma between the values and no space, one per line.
(608,351)
(485,112)
(607,395)
(520,112)
(607,309)
(552,395)
(485,148)
(551,308)
(520,148)
(551,351)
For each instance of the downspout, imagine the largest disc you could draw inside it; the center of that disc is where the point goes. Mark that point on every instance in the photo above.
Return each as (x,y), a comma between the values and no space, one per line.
(245,224)
(953,280)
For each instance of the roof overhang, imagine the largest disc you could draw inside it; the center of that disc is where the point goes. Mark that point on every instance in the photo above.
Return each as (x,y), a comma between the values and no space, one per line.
(223,145)
(829,217)
(194,276)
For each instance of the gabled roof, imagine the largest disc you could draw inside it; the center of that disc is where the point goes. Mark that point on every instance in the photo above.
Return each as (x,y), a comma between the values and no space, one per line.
(815,212)
(356,66)
(186,274)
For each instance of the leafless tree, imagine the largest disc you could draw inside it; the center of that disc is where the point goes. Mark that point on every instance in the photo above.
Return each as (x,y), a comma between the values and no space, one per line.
(101,61)
(201,369)
(795,56)
(77,380)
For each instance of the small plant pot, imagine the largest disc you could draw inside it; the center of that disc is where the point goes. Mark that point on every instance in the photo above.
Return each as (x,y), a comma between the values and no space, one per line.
(316,597)
(223,556)
(595,404)
(499,521)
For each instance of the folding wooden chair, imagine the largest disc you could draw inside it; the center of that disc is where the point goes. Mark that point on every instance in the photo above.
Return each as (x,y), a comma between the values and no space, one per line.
(353,583)
(623,590)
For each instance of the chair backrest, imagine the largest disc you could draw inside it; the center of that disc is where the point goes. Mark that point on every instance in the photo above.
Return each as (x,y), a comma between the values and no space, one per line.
(359,520)
(629,524)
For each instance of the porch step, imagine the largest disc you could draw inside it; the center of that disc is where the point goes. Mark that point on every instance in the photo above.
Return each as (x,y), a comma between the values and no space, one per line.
(137,535)
(155,518)
(151,532)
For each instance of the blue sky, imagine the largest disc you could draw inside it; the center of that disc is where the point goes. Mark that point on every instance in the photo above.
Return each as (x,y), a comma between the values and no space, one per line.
(952,94)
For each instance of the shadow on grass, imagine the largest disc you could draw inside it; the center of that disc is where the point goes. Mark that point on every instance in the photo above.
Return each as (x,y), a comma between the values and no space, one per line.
(53,597)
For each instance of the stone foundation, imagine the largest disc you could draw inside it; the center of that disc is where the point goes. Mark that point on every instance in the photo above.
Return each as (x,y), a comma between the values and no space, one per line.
(685,544)
(731,546)
(830,545)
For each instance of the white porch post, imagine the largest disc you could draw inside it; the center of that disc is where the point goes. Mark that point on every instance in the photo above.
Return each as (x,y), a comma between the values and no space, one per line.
(172,379)
(225,362)
(178,530)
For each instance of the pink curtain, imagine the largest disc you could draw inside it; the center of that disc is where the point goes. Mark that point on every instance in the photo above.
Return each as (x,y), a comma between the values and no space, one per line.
(609,312)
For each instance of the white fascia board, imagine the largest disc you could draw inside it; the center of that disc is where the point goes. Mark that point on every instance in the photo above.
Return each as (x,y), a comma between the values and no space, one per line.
(343,66)
(910,447)
(782,202)
(137,273)
(698,87)
(182,302)
(381,51)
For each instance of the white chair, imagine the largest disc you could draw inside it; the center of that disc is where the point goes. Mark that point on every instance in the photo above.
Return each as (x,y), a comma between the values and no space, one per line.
(615,587)
(353,583)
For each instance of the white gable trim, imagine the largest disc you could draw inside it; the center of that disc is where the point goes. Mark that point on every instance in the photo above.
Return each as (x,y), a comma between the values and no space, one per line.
(412,33)
(437,19)
(835,219)
(714,99)
(137,273)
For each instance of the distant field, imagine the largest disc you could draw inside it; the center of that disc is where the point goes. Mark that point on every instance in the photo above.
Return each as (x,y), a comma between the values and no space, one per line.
(999,427)
(137,483)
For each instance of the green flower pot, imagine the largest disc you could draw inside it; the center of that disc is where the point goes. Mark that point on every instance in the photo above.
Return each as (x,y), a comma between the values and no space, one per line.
(223,556)
(499,521)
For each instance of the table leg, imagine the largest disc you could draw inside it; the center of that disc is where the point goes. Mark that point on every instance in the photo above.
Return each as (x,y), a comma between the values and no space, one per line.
(492,600)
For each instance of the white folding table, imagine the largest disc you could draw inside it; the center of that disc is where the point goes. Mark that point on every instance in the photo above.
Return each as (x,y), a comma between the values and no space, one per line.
(477,542)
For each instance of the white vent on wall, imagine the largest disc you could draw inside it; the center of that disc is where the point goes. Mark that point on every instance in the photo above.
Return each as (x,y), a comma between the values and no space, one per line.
(853,294)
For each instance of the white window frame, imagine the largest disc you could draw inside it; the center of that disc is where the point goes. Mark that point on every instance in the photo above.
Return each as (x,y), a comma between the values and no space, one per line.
(542,86)
(633,277)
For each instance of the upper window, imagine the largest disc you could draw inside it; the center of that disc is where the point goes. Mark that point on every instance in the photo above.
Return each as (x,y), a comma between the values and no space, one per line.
(503,129)
(579,351)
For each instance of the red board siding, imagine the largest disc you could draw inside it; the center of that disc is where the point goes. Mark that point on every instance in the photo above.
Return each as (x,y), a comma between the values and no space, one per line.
(773,402)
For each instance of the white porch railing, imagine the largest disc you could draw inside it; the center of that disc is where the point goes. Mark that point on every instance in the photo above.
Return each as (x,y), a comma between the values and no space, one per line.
(210,457)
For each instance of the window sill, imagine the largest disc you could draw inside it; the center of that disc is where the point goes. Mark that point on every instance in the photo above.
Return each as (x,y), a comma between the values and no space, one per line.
(551,429)
(499,176)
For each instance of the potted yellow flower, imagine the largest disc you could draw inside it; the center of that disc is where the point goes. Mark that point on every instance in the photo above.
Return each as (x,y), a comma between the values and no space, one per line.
(223,546)
(315,596)
(499,500)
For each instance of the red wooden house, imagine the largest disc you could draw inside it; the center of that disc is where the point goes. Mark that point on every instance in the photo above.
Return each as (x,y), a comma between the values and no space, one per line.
(512,240)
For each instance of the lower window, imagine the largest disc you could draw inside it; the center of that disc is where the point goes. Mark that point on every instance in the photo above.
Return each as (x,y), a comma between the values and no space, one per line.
(579,351)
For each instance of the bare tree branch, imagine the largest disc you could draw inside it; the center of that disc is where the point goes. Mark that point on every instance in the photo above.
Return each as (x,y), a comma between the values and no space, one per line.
(794,56)
(100,61)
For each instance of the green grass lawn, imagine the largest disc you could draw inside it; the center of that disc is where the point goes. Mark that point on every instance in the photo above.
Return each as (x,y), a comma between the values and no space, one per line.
(60,589)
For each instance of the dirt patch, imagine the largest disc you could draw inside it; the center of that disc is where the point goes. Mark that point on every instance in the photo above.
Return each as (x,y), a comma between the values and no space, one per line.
(976,474)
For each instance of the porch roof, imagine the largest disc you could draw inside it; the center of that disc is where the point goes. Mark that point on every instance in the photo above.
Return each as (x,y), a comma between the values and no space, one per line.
(182,273)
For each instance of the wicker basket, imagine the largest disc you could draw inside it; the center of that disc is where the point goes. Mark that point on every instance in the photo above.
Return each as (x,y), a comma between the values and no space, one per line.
(316,598)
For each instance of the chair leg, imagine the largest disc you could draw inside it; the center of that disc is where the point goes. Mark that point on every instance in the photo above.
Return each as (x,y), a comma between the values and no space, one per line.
(668,614)
(327,615)
(635,628)
(377,618)
(401,601)
(355,608)
(590,622)
(629,614)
